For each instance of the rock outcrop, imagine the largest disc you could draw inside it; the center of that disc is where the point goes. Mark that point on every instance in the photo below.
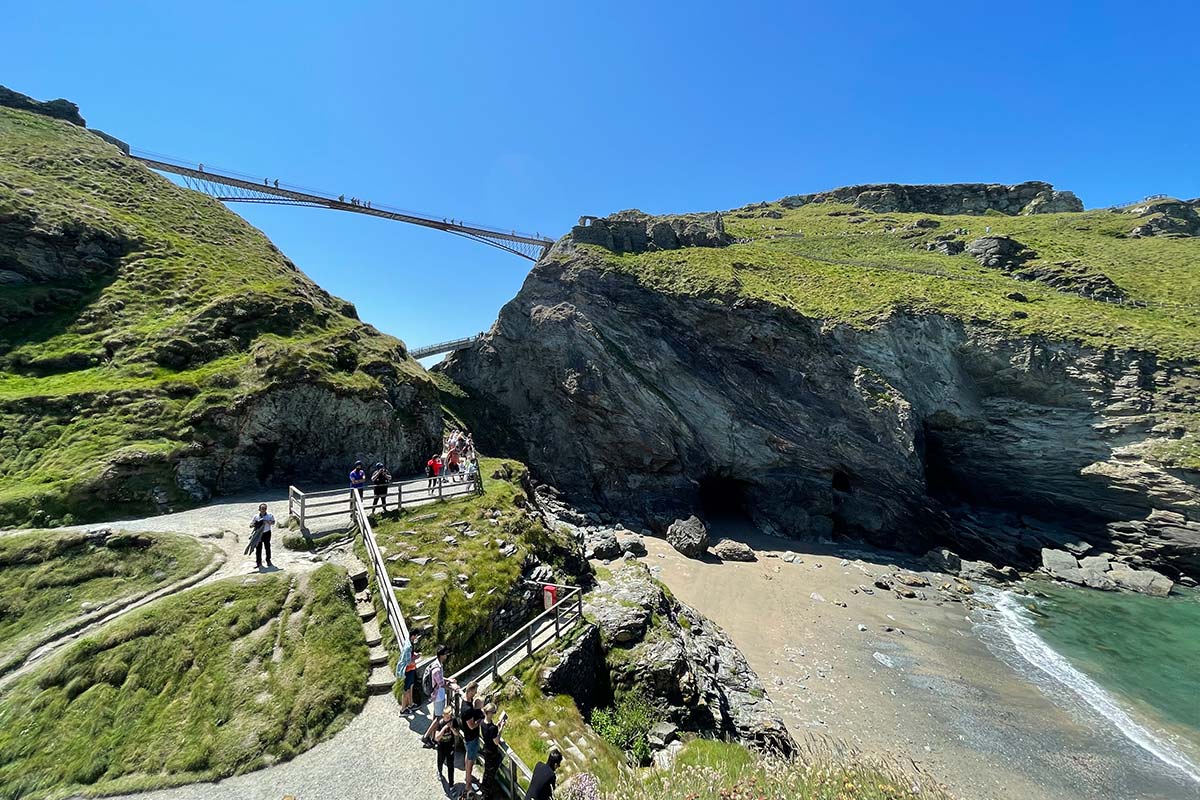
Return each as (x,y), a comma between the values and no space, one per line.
(636,232)
(640,402)
(1031,197)
(58,109)
(682,661)
(1011,256)
(1167,217)
(733,550)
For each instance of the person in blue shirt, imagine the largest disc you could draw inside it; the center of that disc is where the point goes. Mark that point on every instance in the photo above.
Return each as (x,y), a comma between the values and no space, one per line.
(358,479)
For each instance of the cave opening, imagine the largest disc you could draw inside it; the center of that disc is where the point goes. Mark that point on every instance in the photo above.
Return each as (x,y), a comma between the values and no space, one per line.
(840,481)
(723,497)
(266,464)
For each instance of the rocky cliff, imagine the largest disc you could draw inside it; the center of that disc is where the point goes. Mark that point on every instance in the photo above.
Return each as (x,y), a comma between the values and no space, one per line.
(1031,197)
(878,390)
(156,349)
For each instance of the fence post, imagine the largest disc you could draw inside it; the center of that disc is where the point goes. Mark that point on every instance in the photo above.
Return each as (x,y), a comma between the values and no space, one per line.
(302,525)
(400,496)
(579,602)
(529,640)
(291,501)
(513,787)
(495,666)
(557,622)
(440,479)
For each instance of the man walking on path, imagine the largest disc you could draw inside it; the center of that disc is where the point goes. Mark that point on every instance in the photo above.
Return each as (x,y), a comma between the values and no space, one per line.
(541,783)
(437,681)
(261,537)
(490,733)
(380,478)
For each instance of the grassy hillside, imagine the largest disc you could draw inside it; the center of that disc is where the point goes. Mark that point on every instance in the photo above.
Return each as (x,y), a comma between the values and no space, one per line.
(836,262)
(49,580)
(132,313)
(214,681)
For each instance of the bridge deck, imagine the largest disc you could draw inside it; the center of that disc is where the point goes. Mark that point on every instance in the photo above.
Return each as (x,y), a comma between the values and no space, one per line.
(207,181)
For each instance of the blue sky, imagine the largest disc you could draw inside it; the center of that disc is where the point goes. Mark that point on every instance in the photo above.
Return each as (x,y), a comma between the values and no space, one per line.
(527,115)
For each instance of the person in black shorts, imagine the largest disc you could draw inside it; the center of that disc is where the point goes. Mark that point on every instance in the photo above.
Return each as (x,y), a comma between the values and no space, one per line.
(470,723)
(541,784)
(490,733)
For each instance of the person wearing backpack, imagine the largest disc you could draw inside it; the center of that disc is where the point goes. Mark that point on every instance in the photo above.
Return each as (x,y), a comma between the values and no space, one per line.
(435,679)
(380,478)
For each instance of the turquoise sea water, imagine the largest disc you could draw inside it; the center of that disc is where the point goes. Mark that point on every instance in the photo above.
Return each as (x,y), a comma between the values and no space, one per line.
(1143,649)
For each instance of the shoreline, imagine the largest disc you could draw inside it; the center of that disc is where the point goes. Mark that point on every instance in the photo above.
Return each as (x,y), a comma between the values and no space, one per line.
(929,690)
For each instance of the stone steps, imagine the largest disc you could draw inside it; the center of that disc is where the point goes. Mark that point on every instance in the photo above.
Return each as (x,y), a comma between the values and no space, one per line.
(379,657)
(374,640)
(381,681)
(366,612)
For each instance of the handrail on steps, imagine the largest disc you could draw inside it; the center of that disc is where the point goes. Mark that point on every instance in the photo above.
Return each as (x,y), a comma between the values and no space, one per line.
(383,583)
(512,769)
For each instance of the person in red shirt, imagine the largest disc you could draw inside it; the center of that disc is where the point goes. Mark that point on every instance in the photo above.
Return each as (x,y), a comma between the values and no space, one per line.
(433,468)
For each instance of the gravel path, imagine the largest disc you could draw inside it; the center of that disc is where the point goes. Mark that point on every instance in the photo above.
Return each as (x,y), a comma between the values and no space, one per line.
(378,755)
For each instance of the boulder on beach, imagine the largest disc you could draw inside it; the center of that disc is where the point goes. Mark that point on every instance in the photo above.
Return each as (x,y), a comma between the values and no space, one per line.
(732,550)
(688,536)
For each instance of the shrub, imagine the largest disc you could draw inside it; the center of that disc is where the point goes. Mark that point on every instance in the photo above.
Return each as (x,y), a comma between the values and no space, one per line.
(627,725)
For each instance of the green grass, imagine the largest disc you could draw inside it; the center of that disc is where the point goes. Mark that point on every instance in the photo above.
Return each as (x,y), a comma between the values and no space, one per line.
(48,581)
(788,271)
(526,703)
(469,625)
(712,770)
(183,312)
(214,681)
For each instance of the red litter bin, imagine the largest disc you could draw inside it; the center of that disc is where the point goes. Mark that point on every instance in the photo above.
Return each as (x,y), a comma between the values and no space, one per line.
(550,595)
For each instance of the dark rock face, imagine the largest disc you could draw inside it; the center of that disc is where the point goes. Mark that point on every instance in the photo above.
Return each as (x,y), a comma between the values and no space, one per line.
(674,655)
(636,401)
(580,672)
(59,109)
(636,232)
(1031,197)
(1167,218)
(688,536)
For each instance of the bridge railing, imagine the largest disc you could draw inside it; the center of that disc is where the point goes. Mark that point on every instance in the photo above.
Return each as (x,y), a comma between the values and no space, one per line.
(444,347)
(566,611)
(308,506)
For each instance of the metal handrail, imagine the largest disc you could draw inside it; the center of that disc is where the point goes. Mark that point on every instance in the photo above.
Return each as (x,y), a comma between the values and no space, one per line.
(524,631)
(383,582)
(444,347)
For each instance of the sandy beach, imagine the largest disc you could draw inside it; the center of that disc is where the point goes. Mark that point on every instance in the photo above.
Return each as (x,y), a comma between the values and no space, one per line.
(929,690)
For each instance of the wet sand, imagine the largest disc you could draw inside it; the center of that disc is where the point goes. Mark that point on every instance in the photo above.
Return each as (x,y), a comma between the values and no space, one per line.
(930,690)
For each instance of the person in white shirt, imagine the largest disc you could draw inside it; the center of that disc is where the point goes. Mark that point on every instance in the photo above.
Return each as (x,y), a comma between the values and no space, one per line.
(262,525)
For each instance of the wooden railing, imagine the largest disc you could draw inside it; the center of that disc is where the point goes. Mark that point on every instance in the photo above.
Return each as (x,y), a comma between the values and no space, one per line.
(566,612)
(306,506)
(383,583)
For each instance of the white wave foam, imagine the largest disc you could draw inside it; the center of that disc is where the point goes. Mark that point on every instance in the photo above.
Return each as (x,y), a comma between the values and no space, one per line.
(1014,621)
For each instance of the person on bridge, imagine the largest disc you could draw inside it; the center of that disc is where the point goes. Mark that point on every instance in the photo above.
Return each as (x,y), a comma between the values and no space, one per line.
(453,462)
(541,784)
(490,733)
(277,183)
(380,478)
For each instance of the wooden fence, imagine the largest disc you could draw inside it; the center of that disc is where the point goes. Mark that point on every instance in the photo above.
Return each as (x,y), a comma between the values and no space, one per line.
(307,506)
